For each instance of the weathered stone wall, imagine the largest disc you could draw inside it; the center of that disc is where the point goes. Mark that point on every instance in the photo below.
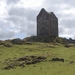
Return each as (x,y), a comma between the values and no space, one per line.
(47,24)
(42,24)
(53,26)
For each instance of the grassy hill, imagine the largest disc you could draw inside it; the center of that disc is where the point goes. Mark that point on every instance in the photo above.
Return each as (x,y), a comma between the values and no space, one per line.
(10,55)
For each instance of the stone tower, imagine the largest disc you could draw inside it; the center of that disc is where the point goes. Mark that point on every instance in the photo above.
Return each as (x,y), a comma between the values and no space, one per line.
(47,24)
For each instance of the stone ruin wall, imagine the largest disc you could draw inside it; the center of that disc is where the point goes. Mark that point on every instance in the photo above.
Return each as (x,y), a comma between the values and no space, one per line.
(53,26)
(47,25)
(43,25)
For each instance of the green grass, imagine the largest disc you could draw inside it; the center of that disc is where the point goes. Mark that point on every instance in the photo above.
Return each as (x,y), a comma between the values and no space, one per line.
(42,68)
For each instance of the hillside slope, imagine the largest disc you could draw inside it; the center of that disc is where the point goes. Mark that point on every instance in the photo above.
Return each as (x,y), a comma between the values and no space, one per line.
(8,55)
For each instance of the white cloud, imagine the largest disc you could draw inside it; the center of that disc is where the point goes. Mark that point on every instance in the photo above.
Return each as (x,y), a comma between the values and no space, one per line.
(18,17)
(3,11)
(64,10)
(32,3)
(24,20)
(6,34)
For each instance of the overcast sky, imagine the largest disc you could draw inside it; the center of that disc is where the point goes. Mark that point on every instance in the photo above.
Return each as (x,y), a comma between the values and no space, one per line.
(18,17)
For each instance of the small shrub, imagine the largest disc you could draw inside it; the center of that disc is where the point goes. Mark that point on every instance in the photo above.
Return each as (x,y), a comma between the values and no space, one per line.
(7,45)
(2,42)
(69,45)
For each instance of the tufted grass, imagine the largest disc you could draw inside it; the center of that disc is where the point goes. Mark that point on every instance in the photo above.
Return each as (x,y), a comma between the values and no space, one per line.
(43,68)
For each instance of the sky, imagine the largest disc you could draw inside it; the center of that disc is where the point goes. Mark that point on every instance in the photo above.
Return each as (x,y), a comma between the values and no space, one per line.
(18,17)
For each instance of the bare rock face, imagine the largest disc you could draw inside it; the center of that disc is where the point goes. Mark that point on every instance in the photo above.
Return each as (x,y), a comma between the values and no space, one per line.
(16,41)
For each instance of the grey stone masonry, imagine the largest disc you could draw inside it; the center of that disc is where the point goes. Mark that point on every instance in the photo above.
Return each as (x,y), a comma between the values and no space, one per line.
(47,24)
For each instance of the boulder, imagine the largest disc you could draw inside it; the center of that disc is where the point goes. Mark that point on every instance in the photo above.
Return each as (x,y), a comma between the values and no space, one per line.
(57,59)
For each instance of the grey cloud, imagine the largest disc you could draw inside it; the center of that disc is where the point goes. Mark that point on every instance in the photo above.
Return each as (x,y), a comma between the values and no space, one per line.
(66,20)
(68,23)
(12,1)
(29,29)
(58,6)
(67,27)
(29,14)
(5,30)
(6,34)
(15,19)
(17,11)
(4,24)
(61,30)
(24,20)
(69,2)
(59,2)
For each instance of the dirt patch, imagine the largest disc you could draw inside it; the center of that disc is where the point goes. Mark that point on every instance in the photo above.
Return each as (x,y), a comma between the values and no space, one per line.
(27,60)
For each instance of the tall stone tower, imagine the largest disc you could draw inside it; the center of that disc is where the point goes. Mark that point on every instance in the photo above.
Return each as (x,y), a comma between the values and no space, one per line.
(47,24)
